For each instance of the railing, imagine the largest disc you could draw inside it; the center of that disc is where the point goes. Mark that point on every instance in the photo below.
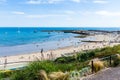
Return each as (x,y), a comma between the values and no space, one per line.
(5,66)
(15,62)
(77,75)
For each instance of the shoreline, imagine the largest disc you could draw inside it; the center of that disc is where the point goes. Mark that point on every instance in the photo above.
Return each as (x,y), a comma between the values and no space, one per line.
(36,47)
(52,54)
(26,58)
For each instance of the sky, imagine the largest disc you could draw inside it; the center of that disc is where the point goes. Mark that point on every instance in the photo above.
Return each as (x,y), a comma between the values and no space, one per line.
(60,13)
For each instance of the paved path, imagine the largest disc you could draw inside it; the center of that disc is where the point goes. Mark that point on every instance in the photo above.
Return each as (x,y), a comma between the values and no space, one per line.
(107,74)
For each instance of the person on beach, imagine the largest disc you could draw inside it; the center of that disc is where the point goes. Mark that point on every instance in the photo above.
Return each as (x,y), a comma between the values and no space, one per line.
(51,55)
(42,50)
(5,63)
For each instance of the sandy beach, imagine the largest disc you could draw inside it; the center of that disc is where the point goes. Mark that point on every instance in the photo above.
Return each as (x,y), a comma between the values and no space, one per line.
(22,60)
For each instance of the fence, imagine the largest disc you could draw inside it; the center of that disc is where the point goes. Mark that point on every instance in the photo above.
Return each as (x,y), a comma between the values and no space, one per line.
(4,66)
(108,62)
(75,75)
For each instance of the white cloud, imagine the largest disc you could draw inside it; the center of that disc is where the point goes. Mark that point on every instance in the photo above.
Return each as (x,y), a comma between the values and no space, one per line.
(100,1)
(85,12)
(69,18)
(107,13)
(33,2)
(43,16)
(54,1)
(43,1)
(18,12)
(69,12)
(77,1)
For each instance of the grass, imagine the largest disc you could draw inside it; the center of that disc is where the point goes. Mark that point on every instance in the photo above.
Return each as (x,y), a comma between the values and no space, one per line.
(98,65)
(63,64)
(5,74)
(31,71)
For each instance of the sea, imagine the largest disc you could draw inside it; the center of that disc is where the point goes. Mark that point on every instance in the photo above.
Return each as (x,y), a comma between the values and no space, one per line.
(26,40)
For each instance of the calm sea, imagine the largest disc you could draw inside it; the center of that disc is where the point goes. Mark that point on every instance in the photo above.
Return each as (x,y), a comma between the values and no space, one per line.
(14,40)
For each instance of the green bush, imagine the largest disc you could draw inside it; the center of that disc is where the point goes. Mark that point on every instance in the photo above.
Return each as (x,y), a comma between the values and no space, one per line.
(65,67)
(31,71)
(5,74)
(61,60)
(18,75)
(116,62)
(64,64)
(83,57)
(48,66)
(91,54)
(65,59)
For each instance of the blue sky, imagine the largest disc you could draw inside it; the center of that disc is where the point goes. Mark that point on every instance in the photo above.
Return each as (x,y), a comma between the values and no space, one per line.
(60,13)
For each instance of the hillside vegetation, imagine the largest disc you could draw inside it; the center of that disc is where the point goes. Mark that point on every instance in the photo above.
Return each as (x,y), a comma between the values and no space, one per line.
(62,66)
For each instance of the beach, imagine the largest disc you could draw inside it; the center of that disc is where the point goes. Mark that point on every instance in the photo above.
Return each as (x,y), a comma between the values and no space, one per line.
(22,60)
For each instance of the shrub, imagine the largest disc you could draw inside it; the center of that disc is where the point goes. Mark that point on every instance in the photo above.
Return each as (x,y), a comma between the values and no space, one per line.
(18,75)
(5,74)
(31,71)
(66,63)
(58,76)
(53,75)
(65,59)
(116,60)
(60,60)
(91,54)
(65,67)
(82,57)
(42,75)
(48,66)
(97,65)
